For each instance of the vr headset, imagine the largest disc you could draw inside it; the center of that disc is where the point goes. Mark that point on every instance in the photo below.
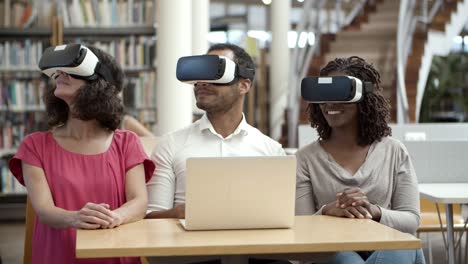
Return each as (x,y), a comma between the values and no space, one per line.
(337,89)
(74,59)
(214,69)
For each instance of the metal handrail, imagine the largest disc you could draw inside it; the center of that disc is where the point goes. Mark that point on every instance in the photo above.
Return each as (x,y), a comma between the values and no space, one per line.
(407,21)
(354,12)
(404,33)
(428,15)
(302,57)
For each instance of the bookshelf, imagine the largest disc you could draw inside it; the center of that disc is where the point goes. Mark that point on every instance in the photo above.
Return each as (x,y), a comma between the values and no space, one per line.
(21,107)
(123,28)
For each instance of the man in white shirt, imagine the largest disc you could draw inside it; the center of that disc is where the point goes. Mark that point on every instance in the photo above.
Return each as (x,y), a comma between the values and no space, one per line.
(221,132)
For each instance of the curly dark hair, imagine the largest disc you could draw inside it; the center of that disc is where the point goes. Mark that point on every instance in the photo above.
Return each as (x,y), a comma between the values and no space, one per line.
(97,100)
(241,57)
(373,110)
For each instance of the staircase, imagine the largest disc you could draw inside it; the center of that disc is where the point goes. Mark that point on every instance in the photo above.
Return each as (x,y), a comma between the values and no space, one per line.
(374,39)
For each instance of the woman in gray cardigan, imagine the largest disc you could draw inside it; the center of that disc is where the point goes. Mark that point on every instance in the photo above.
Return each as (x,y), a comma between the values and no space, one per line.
(355,169)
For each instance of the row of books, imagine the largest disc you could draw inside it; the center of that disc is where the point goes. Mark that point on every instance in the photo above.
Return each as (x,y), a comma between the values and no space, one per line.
(130,53)
(15,126)
(140,92)
(16,14)
(18,95)
(77,13)
(8,183)
(106,13)
(24,54)
(25,14)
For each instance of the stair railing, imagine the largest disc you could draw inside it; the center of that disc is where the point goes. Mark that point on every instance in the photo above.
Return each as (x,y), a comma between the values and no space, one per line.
(407,21)
(406,26)
(302,57)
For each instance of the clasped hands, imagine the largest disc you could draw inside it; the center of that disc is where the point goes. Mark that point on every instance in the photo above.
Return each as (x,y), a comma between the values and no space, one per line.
(94,216)
(352,203)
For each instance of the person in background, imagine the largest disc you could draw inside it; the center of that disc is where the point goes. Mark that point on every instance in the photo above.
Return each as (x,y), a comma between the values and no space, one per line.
(221,132)
(84,172)
(132,124)
(355,169)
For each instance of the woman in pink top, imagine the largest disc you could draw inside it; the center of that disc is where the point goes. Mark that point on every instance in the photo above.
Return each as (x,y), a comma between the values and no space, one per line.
(83,173)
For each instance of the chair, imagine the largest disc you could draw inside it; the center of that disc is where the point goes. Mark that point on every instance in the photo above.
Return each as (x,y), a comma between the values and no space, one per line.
(30,216)
(429,222)
(148,142)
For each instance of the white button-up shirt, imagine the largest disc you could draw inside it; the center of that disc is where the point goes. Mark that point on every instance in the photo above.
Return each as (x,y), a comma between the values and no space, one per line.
(167,186)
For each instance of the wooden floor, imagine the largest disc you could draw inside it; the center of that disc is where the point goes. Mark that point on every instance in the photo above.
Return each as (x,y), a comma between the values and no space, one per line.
(12,236)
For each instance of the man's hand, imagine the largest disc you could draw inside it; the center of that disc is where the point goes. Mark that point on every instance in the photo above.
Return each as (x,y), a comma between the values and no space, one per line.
(179,211)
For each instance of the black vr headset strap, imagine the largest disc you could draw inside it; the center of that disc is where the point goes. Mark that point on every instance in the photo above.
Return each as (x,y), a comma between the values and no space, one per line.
(104,72)
(368,87)
(244,72)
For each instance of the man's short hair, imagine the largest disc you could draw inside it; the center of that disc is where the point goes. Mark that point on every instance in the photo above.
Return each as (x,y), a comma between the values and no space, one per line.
(241,57)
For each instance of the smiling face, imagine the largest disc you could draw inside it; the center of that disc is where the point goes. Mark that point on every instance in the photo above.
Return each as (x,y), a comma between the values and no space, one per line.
(340,114)
(67,86)
(218,98)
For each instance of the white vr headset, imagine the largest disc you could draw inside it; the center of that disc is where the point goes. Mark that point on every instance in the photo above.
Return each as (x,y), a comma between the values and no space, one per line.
(74,59)
(336,89)
(214,69)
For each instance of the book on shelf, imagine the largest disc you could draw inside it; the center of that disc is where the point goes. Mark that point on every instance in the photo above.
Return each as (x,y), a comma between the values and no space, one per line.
(21,54)
(76,14)
(18,14)
(22,94)
(139,93)
(46,10)
(14,126)
(8,183)
(131,53)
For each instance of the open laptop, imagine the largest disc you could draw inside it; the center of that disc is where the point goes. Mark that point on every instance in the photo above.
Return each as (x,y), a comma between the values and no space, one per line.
(240,192)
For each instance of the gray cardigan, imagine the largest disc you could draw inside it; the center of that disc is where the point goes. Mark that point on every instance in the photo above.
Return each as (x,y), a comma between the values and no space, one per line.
(387,177)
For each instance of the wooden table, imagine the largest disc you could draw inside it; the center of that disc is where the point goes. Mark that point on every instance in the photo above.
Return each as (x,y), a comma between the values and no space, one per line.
(449,194)
(166,239)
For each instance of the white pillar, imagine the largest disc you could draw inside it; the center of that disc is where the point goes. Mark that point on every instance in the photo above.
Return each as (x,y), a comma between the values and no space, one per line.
(279,64)
(200,26)
(173,98)
(200,30)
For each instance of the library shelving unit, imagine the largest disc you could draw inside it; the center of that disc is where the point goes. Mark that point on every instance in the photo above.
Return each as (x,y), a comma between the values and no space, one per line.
(123,28)
(21,107)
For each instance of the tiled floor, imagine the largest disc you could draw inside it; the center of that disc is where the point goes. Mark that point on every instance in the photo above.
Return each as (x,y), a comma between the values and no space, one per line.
(12,237)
